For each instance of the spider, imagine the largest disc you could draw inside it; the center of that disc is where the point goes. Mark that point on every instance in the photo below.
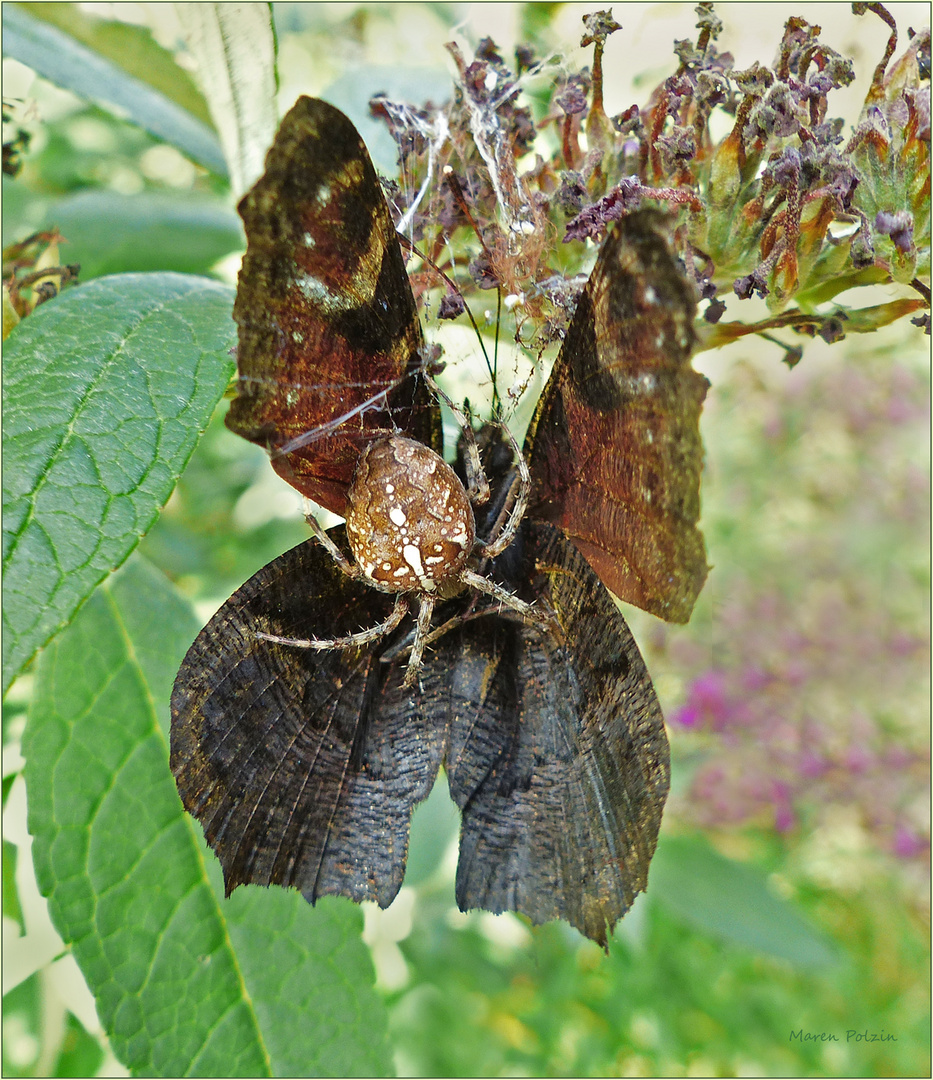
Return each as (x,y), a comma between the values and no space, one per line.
(412,532)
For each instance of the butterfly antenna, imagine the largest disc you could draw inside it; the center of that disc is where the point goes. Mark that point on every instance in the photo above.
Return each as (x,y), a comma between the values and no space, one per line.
(456,189)
(496,399)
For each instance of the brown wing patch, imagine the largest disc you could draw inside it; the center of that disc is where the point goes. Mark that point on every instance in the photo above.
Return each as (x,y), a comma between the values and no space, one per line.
(329,339)
(614,447)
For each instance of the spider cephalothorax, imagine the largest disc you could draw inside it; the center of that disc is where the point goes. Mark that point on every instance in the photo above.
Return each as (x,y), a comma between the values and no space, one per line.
(411,529)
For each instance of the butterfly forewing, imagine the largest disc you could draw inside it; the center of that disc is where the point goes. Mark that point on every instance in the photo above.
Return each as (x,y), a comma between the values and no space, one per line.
(330,345)
(614,447)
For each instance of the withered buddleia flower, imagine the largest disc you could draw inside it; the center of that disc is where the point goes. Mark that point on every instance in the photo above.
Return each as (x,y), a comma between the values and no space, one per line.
(785,206)
(891,151)
(451,306)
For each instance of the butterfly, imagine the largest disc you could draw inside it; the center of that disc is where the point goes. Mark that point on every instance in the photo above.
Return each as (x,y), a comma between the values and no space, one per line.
(303,765)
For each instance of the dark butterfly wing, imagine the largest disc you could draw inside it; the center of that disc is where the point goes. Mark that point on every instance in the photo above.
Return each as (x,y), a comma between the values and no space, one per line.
(614,447)
(302,766)
(329,339)
(558,756)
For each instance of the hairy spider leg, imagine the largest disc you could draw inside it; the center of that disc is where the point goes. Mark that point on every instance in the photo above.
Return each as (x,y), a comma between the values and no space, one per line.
(350,569)
(503,532)
(351,641)
(425,614)
(541,619)
(477,484)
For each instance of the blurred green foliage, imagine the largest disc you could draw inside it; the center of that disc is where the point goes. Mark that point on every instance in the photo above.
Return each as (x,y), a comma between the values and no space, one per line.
(666,1002)
(26,1038)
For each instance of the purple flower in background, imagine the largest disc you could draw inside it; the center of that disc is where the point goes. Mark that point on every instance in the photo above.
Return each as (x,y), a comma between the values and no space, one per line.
(817,697)
(909,845)
(784,817)
(706,703)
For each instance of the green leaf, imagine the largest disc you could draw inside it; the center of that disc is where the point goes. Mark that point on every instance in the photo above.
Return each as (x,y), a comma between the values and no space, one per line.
(80,1053)
(11,905)
(22,1024)
(131,48)
(64,61)
(867,320)
(108,388)
(808,300)
(145,232)
(850,321)
(732,901)
(186,983)
(235,49)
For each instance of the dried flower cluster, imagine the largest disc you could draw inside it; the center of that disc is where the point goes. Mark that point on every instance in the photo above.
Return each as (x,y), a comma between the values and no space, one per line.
(785,207)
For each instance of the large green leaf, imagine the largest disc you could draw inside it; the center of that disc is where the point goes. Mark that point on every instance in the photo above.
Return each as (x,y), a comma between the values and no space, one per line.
(732,901)
(186,983)
(107,389)
(65,61)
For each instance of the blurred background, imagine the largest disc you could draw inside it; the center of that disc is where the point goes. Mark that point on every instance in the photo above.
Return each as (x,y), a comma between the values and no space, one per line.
(790,893)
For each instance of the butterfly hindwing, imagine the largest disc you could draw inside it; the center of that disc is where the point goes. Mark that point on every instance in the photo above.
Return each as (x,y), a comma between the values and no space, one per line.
(558,757)
(302,766)
(330,344)
(614,447)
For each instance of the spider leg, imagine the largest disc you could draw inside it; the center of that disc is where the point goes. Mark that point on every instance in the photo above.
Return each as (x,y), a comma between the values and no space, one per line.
(457,620)
(541,619)
(503,534)
(478,486)
(539,616)
(349,568)
(425,611)
(351,641)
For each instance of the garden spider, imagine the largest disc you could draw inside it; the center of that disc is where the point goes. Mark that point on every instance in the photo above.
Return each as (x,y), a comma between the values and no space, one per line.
(412,531)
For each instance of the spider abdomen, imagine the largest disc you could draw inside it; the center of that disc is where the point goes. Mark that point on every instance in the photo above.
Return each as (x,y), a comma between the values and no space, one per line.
(409,519)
